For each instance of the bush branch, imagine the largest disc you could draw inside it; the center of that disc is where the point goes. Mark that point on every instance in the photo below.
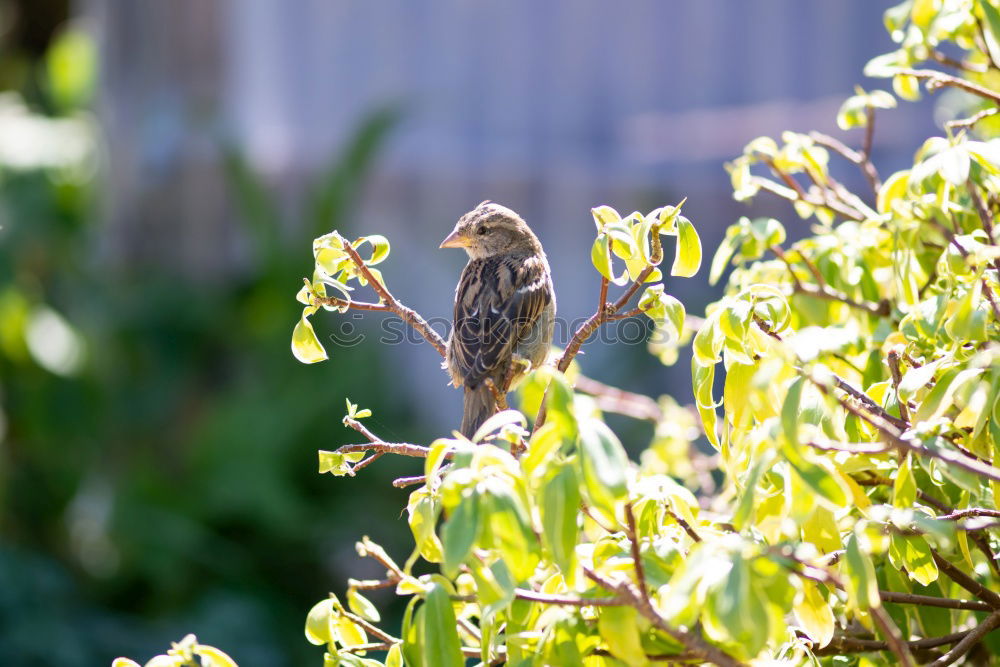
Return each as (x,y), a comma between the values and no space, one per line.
(937,80)
(970,640)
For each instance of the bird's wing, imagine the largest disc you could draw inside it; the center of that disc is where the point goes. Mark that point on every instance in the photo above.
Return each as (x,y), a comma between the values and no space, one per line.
(497,301)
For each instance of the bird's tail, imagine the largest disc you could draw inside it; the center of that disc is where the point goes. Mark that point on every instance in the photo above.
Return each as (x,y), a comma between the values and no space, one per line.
(478,406)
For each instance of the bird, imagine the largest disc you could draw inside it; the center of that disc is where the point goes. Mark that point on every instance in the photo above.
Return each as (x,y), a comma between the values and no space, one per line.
(505,308)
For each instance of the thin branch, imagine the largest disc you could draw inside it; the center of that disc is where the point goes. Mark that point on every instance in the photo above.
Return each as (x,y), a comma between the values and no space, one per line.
(986,217)
(403,482)
(861,448)
(931,601)
(968,513)
(843,209)
(893,637)
(398,448)
(987,290)
(371,629)
(633,538)
(894,437)
(371,584)
(965,123)
(948,61)
(686,526)
(937,80)
(351,422)
(842,644)
(868,402)
(970,640)
(965,581)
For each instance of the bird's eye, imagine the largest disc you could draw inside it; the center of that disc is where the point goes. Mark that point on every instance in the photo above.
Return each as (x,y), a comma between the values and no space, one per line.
(483,231)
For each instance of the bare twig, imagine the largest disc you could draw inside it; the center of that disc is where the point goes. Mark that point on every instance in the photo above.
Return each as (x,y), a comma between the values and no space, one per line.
(931,601)
(403,482)
(686,526)
(371,629)
(986,217)
(970,640)
(633,538)
(965,581)
(937,80)
(963,123)
(893,637)
(948,61)
(842,644)
(398,448)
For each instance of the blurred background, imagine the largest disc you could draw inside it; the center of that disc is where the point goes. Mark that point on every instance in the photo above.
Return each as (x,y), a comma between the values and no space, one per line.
(164,167)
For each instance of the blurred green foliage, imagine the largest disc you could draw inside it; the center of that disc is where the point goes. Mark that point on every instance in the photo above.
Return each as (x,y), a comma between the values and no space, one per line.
(157,438)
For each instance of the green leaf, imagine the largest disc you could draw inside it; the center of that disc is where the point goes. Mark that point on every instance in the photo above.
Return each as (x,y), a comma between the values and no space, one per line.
(619,628)
(318,623)
(438,634)
(510,529)
(603,464)
(790,411)
(560,507)
(361,606)
(459,533)
(814,614)
(904,487)
(735,611)
(380,247)
(600,256)
(305,345)
(862,588)
(603,215)
(494,585)
(687,259)
(915,554)
(991,29)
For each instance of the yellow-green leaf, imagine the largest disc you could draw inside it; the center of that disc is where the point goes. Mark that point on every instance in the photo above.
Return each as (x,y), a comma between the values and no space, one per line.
(687,259)
(305,345)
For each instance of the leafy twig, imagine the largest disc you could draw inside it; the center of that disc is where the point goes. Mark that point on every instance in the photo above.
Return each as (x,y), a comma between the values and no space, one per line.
(389,302)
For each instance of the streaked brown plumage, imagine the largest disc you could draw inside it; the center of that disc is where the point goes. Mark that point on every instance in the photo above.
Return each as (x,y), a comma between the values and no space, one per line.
(504,307)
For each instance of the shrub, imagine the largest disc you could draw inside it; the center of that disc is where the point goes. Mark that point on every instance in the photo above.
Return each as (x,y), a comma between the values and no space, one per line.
(855,433)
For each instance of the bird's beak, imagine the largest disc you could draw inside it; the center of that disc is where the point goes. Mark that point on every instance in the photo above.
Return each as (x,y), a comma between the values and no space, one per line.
(455,240)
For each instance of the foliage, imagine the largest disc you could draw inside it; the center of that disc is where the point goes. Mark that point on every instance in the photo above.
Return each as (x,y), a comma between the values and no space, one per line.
(149,467)
(185,653)
(855,434)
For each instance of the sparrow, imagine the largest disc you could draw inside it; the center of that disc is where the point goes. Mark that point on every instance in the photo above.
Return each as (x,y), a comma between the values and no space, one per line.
(504,308)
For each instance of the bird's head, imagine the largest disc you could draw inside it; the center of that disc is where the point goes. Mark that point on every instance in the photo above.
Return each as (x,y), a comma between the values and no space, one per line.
(491,229)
